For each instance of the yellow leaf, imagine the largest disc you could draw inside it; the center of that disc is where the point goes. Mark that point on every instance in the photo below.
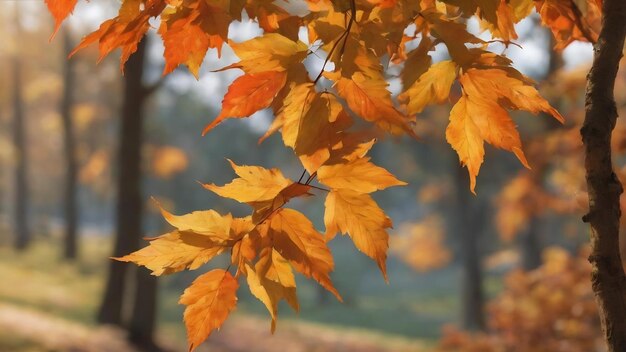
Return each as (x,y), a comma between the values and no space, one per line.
(359,216)
(255,184)
(209,300)
(370,99)
(270,52)
(296,239)
(272,280)
(506,83)
(465,138)
(174,252)
(433,87)
(207,222)
(359,175)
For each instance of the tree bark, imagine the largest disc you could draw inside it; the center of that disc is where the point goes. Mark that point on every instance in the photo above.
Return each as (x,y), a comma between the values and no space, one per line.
(22,231)
(468,219)
(608,279)
(129,199)
(67,101)
(143,319)
(130,218)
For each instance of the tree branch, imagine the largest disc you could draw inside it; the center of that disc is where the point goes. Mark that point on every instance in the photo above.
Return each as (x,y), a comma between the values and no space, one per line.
(608,279)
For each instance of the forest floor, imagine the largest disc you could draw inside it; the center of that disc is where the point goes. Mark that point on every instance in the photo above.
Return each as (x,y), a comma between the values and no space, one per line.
(27,330)
(47,304)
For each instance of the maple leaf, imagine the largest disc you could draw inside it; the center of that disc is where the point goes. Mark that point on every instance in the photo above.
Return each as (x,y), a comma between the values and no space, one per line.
(248,94)
(190,30)
(255,184)
(209,223)
(209,300)
(370,99)
(358,215)
(271,280)
(432,87)
(266,190)
(295,238)
(480,115)
(124,31)
(568,22)
(174,252)
(60,9)
(359,175)
(270,52)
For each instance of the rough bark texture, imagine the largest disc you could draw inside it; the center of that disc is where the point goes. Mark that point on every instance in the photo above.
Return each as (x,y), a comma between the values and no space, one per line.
(71,215)
(608,279)
(468,221)
(129,200)
(22,232)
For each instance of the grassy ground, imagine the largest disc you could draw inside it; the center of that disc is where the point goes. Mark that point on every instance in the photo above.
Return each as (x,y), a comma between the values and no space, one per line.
(413,306)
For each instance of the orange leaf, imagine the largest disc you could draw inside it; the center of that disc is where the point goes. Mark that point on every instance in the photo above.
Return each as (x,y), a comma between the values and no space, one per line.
(174,252)
(60,9)
(370,99)
(359,216)
(296,239)
(359,175)
(209,300)
(255,184)
(190,31)
(248,94)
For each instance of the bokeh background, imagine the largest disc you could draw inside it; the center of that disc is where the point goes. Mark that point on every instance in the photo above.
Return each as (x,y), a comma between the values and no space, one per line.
(503,270)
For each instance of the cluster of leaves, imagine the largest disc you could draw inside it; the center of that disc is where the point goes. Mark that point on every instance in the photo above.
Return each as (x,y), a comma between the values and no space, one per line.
(314,111)
(551,308)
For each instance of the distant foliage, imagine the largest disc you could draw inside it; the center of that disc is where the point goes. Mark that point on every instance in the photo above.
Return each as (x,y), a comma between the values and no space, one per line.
(421,245)
(549,309)
(359,39)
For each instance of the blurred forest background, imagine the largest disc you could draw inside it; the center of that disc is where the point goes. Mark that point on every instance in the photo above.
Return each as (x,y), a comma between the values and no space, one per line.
(83,149)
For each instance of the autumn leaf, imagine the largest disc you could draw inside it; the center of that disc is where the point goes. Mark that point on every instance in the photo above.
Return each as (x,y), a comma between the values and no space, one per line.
(432,87)
(359,175)
(189,30)
(296,239)
(271,280)
(209,300)
(248,94)
(124,31)
(270,52)
(255,184)
(60,9)
(371,100)
(174,252)
(358,215)
(480,115)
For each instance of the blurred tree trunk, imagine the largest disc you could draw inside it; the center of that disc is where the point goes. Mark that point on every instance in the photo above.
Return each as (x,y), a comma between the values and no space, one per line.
(468,219)
(22,232)
(143,319)
(604,187)
(130,215)
(71,216)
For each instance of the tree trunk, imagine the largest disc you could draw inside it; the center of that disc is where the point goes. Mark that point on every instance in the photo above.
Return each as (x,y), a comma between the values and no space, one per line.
(532,245)
(608,279)
(468,220)
(142,323)
(22,232)
(129,199)
(67,102)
